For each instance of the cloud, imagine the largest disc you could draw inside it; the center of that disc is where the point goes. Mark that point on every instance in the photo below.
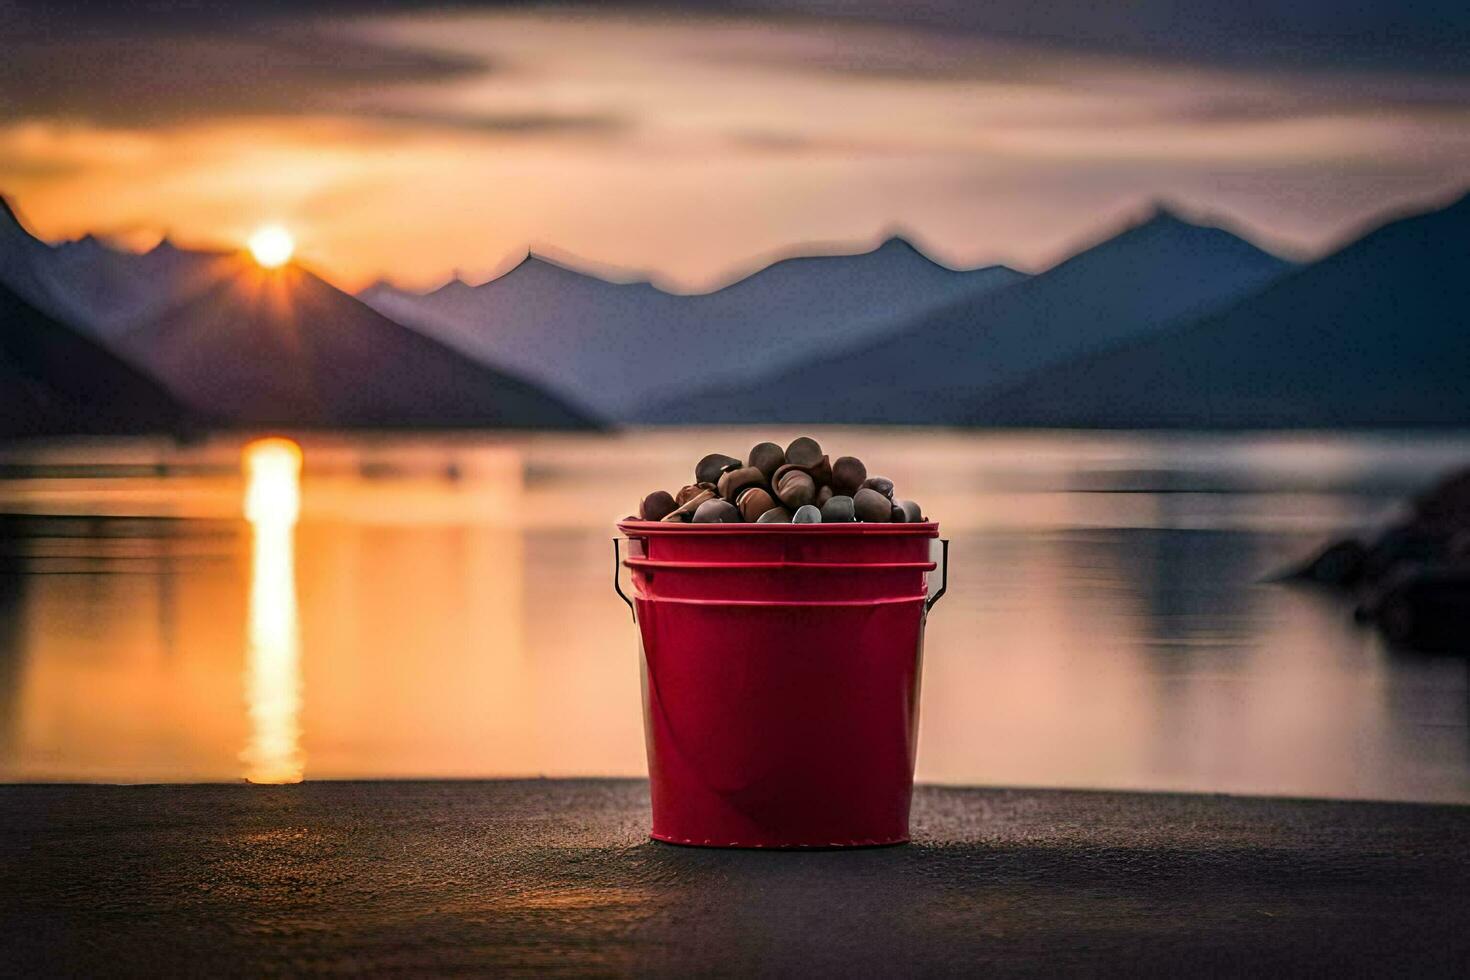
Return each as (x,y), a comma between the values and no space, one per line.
(440,138)
(1416,35)
(1412,35)
(141,77)
(136,63)
(513,123)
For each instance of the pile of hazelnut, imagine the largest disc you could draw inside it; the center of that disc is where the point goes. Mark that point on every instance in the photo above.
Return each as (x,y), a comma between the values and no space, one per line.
(795,485)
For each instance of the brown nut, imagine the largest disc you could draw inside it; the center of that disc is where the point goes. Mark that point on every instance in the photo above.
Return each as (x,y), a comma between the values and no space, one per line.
(824,494)
(795,487)
(717,512)
(709,469)
(820,472)
(766,457)
(753,502)
(838,510)
(912,514)
(656,506)
(687,508)
(804,451)
(872,507)
(848,474)
(733,481)
(881,484)
(776,515)
(693,490)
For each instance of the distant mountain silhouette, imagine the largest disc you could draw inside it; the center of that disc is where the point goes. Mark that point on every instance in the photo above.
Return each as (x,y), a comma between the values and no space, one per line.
(621,346)
(282,347)
(1168,323)
(1377,334)
(244,346)
(95,286)
(932,369)
(55,381)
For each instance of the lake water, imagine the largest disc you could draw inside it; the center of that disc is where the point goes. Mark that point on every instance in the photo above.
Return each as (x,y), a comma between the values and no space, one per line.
(443,607)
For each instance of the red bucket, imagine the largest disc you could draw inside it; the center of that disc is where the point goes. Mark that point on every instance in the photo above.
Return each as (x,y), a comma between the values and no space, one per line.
(780,678)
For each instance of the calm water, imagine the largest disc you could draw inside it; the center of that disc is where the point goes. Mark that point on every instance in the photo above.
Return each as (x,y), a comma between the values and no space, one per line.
(451,614)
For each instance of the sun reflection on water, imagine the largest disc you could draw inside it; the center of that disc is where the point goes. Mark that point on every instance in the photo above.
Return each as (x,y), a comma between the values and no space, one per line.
(273,655)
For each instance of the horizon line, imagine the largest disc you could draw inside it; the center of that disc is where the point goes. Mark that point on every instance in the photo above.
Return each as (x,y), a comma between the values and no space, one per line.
(1125,218)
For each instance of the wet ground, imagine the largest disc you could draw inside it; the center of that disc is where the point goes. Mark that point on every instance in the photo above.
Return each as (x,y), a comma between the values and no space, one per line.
(557,877)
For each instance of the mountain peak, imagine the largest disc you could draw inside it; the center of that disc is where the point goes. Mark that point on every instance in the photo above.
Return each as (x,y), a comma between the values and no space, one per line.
(539,266)
(453,287)
(538,260)
(88,244)
(1163,213)
(900,246)
(10,222)
(897,242)
(1163,237)
(382,284)
(1167,225)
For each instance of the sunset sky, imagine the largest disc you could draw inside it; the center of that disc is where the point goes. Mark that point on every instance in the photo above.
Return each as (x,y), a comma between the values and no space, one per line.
(411,141)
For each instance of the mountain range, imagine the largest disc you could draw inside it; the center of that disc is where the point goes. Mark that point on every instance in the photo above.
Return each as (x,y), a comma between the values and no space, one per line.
(1168,322)
(240,345)
(282,347)
(95,286)
(1161,271)
(1376,334)
(53,381)
(618,347)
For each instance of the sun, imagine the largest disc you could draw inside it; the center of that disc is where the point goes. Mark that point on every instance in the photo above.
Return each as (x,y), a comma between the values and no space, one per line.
(272,246)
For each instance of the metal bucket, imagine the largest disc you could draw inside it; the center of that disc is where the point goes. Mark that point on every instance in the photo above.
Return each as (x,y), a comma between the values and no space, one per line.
(781,667)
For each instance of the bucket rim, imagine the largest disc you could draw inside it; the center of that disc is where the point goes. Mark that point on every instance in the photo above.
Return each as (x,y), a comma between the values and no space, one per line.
(826,566)
(854,528)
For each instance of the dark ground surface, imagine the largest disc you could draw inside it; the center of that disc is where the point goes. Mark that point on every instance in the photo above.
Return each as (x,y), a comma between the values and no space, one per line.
(557,876)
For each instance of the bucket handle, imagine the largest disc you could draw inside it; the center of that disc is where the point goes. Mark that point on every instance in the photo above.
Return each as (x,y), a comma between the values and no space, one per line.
(617,585)
(943,577)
